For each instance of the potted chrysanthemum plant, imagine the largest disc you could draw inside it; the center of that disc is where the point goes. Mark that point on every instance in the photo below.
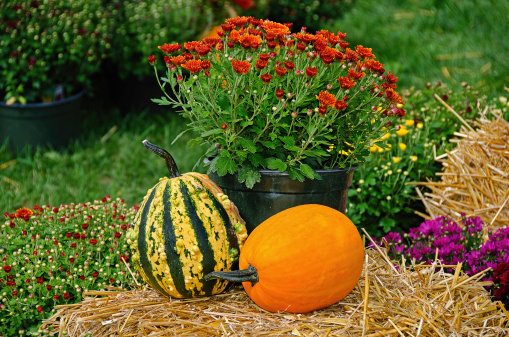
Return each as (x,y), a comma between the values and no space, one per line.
(294,113)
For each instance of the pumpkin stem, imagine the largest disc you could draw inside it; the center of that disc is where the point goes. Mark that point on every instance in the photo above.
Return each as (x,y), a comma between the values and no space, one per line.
(250,274)
(170,163)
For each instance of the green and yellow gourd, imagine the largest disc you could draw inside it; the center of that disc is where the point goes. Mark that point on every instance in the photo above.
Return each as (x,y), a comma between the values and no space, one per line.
(184,229)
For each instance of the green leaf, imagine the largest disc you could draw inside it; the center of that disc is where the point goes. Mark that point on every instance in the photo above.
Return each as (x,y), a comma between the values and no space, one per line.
(250,175)
(211,132)
(248,144)
(195,142)
(307,171)
(387,224)
(162,101)
(256,160)
(268,144)
(295,175)
(225,165)
(246,123)
(276,164)
(288,140)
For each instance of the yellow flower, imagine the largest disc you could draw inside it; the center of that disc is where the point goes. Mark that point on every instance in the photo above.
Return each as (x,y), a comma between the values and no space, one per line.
(420,126)
(401,132)
(380,150)
(374,148)
(402,146)
(410,122)
(395,160)
(399,105)
(373,121)
(502,99)
(388,149)
(413,158)
(386,136)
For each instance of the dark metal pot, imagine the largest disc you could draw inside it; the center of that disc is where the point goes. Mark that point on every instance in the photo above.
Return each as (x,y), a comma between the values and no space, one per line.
(276,192)
(54,123)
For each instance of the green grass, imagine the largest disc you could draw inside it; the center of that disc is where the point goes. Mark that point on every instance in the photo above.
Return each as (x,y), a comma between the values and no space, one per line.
(435,40)
(90,169)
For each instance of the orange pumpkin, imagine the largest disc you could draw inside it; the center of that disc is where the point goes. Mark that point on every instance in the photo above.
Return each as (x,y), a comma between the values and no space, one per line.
(302,259)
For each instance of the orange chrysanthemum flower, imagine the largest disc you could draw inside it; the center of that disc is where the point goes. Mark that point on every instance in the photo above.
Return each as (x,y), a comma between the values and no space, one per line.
(250,41)
(170,48)
(305,38)
(341,35)
(267,25)
(393,96)
(24,213)
(354,75)
(227,27)
(273,34)
(343,44)
(190,46)
(364,52)
(178,60)
(194,66)
(238,21)
(325,98)
(311,71)
(241,67)
(333,39)
(280,71)
(234,37)
(266,78)
(152,60)
(346,82)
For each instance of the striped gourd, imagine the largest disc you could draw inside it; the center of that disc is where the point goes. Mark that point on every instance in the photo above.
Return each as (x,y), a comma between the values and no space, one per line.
(185,228)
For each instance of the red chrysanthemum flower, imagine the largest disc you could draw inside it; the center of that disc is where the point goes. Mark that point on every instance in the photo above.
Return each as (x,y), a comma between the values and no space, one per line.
(241,67)
(364,52)
(266,78)
(351,56)
(280,93)
(67,296)
(39,309)
(170,48)
(375,66)
(93,242)
(227,27)
(202,48)
(264,57)
(205,65)
(118,235)
(333,39)
(326,98)
(393,96)
(211,41)
(250,41)
(152,60)
(280,71)
(390,78)
(320,44)
(272,44)
(7,269)
(322,110)
(194,66)
(311,71)
(260,64)
(56,297)
(305,38)
(289,65)
(238,21)
(301,46)
(340,105)
(95,274)
(343,44)
(354,75)
(191,45)
(23,213)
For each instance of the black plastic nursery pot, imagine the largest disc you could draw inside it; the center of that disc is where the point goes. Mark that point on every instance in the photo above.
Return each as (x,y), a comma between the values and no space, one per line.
(276,192)
(33,124)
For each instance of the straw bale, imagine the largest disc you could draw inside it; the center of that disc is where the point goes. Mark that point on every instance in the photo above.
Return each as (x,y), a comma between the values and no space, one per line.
(475,175)
(389,300)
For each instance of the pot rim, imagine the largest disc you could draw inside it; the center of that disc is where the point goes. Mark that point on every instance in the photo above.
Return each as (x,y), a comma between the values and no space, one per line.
(42,105)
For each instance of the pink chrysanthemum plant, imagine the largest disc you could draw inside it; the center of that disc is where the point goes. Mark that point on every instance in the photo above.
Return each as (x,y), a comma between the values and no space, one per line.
(262,97)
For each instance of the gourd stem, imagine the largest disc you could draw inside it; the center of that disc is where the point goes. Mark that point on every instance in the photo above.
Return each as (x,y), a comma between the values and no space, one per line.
(250,274)
(170,163)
